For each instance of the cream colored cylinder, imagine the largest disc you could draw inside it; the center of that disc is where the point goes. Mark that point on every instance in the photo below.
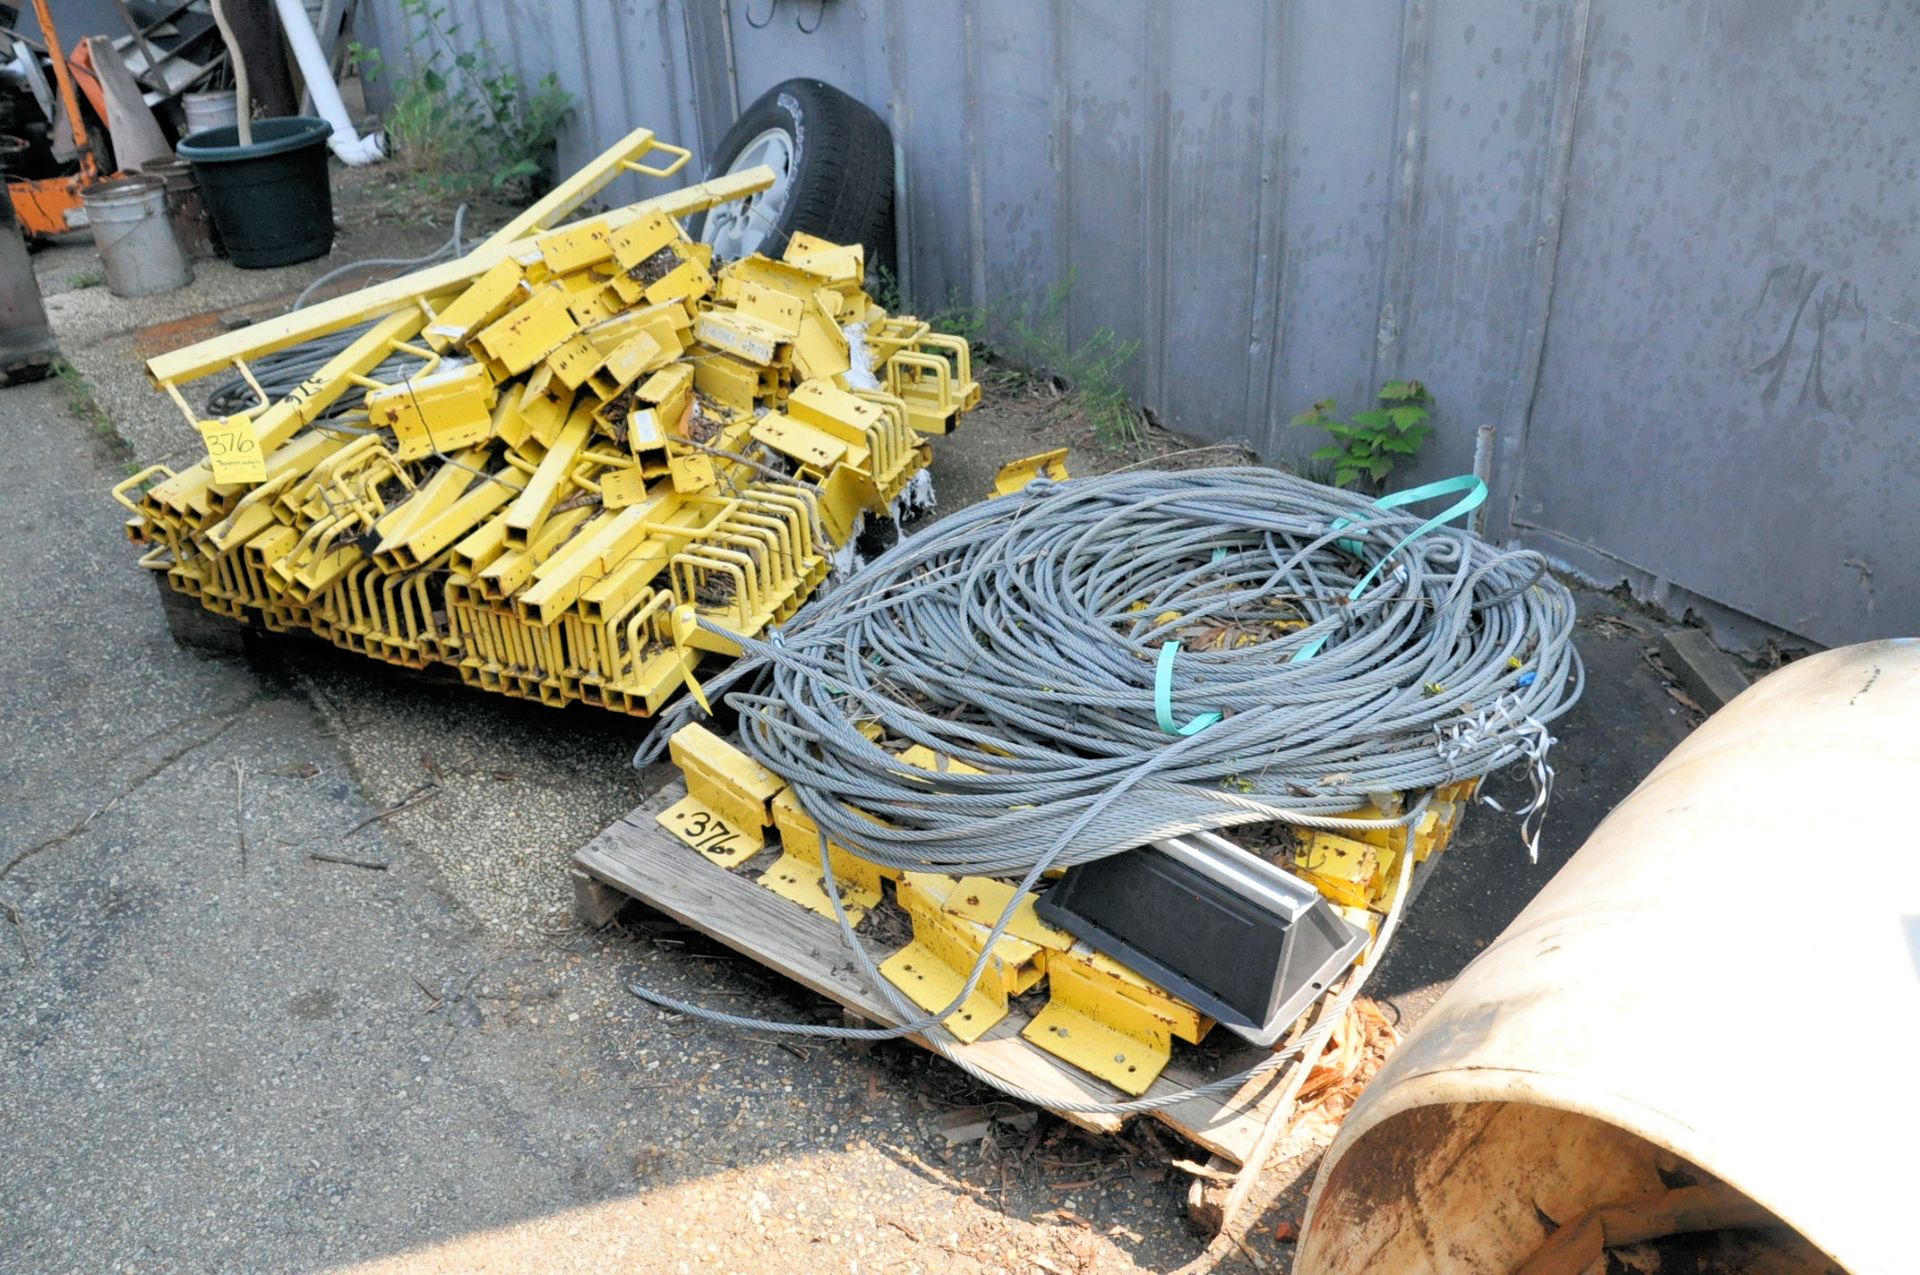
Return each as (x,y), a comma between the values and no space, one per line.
(1727,974)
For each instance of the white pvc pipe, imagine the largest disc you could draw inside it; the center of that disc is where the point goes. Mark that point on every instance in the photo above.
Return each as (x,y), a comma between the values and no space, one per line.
(346,143)
(1724,982)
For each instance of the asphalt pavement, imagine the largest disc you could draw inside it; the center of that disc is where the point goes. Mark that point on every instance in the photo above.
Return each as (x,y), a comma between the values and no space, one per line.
(227,1049)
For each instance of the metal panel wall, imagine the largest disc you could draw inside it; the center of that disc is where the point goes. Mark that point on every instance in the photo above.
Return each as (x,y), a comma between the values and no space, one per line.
(1731,379)
(1657,247)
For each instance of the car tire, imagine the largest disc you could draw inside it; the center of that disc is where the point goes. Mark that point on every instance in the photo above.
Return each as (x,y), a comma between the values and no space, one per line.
(834,160)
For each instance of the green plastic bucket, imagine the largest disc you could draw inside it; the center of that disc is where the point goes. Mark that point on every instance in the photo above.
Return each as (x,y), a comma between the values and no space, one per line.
(272,201)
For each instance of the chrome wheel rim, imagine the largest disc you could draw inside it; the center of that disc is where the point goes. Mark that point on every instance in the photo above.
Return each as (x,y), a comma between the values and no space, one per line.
(738,228)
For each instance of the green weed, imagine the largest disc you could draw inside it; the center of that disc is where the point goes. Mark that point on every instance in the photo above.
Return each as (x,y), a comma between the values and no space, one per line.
(1090,372)
(1375,441)
(461,122)
(77,394)
(1029,340)
(962,320)
(883,285)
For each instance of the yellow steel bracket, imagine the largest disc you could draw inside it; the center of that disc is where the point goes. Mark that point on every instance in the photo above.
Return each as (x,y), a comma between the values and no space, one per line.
(323,317)
(933,968)
(1348,872)
(1105,1019)
(443,409)
(724,814)
(984,900)
(932,373)
(796,873)
(1017,475)
(139,482)
(1429,838)
(1366,920)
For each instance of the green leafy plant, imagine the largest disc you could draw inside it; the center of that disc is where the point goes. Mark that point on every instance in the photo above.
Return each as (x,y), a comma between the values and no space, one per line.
(460,120)
(963,320)
(883,285)
(1370,445)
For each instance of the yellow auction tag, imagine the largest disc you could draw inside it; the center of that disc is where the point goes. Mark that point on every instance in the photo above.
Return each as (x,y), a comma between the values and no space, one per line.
(234,449)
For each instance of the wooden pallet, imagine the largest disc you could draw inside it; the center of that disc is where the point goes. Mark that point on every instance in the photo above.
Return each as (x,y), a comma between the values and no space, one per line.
(636,858)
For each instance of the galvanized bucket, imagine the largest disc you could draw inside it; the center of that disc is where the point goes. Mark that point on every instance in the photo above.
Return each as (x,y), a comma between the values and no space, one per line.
(134,237)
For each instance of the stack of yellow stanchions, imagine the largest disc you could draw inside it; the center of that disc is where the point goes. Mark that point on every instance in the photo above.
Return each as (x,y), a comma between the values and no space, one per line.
(1100,1015)
(601,437)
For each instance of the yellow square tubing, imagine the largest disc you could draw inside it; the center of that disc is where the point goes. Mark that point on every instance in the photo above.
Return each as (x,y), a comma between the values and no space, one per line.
(426,540)
(530,508)
(409,290)
(500,578)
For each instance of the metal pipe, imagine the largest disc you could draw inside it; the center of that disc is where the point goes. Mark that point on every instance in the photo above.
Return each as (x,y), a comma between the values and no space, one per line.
(1752,908)
(62,76)
(345,142)
(1483,470)
(733,75)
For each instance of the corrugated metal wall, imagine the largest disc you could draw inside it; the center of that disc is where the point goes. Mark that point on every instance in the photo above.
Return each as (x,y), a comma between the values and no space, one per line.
(1663,249)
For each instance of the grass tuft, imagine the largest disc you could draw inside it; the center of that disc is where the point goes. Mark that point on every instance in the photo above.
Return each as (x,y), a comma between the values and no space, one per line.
(81,404)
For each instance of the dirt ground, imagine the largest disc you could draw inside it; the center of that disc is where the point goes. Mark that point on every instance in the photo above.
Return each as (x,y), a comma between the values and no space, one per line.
(225,1053)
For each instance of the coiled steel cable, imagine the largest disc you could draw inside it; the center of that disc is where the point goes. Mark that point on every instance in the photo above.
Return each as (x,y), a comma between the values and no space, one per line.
(1024,638)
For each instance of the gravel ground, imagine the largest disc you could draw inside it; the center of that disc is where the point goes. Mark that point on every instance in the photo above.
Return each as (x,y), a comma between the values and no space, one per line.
(297,1064)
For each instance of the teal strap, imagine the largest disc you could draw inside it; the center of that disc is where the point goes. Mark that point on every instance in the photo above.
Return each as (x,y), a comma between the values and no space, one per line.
(1475,495)
(1163,696)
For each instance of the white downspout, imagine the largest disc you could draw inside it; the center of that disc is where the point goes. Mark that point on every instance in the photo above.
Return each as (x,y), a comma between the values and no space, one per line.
(346,143)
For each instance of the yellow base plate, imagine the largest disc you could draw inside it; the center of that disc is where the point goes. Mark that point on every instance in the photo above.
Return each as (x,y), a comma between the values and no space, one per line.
(792,877)
(931,984)
(1127,1062)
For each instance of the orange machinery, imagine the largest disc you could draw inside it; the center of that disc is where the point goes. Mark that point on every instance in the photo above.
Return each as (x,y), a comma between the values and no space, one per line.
(51,205)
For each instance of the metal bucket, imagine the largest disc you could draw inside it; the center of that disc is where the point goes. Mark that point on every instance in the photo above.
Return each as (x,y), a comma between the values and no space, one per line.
(135,240)
(192,225)
(217,109)
(1718,988)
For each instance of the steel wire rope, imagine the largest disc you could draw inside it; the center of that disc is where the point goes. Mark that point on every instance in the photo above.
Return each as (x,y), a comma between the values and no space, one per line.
(1022,638)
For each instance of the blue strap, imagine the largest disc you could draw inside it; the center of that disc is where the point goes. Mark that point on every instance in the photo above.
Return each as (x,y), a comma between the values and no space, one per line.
(1163,696)
(1476,495)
